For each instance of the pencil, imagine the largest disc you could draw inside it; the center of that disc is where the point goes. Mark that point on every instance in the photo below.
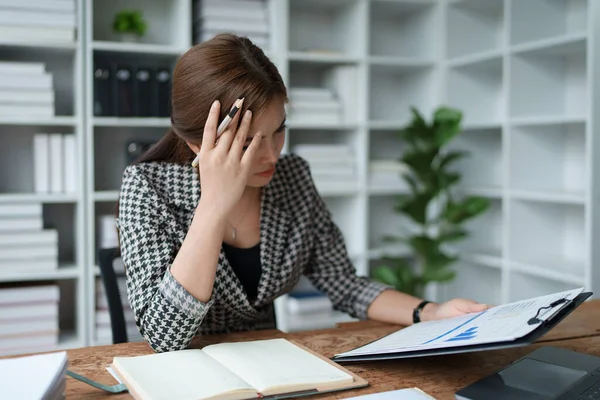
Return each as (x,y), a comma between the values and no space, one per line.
(223,125)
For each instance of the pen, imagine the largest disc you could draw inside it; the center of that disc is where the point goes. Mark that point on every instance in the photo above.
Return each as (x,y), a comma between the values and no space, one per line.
(223,125)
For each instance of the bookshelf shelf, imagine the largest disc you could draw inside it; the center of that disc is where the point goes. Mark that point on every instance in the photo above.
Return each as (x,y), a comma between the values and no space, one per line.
(142,48)
(331,27)
(549,81)
(540,269)
(487,258)
(39,45)
(385,189)
(485,233)
(386,82)
(562,45)
(548,235)
(336,189)
(559,19)
(559,152)
(481,81)
(474,26)
(402,29)
(322,57)
(400,62)
(65,121)
(38,197)
(141,122)
(390,125)
(483,146)
(64,272)
(477,58)
(547,120)
(548,197)
(492,192)
(106,196)
(395,250)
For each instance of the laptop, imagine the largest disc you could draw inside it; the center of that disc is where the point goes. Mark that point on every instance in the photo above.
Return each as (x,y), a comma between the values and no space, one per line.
(548,373)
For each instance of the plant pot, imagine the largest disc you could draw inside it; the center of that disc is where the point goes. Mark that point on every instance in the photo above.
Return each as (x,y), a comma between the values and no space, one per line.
(129,37)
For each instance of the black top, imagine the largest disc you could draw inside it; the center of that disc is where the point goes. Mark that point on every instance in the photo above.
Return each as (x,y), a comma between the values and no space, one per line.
(246,265)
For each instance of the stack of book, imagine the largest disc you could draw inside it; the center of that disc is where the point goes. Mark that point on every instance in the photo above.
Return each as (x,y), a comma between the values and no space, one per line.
(103,324)
(108,237)
(308,308)
(29,318)
(55,163)
(24,243)
(315,106)
(241,17)
(387,173)
(26,89)
(38,21)
(329,162)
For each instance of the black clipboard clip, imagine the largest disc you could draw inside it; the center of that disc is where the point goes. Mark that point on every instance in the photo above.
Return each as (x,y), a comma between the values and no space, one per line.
(536,320)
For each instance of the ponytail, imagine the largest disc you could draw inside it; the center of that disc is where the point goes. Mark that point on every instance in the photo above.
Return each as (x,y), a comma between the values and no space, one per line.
(170,148)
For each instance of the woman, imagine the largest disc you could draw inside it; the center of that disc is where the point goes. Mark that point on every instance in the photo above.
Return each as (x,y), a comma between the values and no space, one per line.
(208,250)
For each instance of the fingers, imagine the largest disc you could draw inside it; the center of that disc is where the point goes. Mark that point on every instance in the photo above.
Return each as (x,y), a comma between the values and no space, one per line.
(241,135)
(477,307)
(225,139)
(248,156)
(210,128)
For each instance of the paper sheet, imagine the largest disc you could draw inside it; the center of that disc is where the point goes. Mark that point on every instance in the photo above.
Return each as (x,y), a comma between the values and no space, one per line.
(501,323)
(400,394)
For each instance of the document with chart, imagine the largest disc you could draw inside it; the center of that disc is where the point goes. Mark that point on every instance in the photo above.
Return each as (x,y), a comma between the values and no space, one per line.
(497,324)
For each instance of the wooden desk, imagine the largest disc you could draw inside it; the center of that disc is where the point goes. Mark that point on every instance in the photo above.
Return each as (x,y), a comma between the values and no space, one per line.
(438,376)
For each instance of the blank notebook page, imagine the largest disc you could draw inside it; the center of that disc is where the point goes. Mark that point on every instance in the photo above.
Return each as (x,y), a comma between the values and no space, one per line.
(184,374)
(274,363)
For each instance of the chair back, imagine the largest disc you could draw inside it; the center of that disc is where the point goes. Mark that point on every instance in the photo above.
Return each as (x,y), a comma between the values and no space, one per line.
(106,259)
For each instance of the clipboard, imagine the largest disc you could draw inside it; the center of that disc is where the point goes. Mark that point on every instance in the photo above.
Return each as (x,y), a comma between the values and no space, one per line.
(544,327)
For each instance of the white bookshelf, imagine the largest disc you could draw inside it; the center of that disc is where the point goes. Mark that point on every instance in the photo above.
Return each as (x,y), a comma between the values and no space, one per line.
(529,117)
(63,211)
(529,113)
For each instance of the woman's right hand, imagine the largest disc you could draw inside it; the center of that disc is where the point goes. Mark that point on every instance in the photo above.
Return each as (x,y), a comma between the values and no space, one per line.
(224,166)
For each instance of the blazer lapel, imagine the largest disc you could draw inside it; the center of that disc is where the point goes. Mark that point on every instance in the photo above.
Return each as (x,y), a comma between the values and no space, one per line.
(275,219)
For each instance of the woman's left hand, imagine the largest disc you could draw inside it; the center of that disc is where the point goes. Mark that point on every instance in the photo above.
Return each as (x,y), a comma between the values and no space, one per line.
(451,308)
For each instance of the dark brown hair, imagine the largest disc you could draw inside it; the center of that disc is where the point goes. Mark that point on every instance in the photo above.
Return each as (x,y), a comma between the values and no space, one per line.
(224,68)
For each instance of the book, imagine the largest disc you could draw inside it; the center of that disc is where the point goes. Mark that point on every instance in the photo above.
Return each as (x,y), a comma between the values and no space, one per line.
(400,394)
(232,371)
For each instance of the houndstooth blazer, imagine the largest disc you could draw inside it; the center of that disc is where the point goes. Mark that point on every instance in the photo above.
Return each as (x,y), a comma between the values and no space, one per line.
(297,237)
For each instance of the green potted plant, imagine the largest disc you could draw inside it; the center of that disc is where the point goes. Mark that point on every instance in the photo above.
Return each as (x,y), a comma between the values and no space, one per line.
(129,25)
(435,212)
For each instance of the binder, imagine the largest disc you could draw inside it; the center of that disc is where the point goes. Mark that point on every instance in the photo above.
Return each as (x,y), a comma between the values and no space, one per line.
(124,92)
(144,96)
(543,327)
(163,92)
(103,87)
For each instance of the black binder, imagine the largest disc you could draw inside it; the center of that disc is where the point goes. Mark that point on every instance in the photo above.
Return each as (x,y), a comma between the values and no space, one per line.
(103,91)
(144,101)
(163,92)
(526,340)
(124,92)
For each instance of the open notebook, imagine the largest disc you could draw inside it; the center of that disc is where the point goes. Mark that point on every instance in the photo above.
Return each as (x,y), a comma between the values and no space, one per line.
(272,369)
